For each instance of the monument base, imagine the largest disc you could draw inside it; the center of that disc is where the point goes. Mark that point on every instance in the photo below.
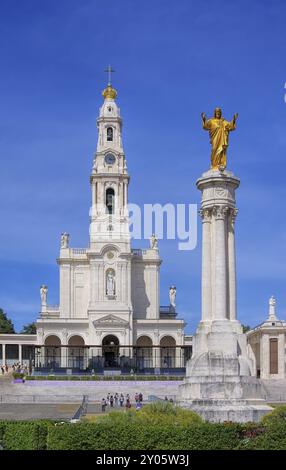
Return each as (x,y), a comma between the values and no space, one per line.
(218,398)
(218,411)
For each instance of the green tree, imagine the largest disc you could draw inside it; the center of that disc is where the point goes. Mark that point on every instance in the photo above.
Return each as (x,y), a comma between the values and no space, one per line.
(6,325)
(29,329)
(245,328)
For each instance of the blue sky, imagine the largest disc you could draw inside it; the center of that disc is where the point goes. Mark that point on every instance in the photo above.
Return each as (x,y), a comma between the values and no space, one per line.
(173,60)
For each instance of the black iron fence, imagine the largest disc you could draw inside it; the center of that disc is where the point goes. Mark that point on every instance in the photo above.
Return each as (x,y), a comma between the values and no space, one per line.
(98,359)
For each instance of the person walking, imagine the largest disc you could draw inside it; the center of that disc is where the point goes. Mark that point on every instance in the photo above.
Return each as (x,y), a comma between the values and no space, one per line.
(128,404)
(103,405)
(121,399)
(136,397)
(140,397)
(111,401)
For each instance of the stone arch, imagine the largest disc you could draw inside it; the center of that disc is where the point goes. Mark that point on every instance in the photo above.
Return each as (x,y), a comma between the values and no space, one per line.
(110,247)
(144,352)
(110,200)
(109,134)
(144,340)
(110,350)
(76,340)
(52,340)
(168,351)
(76,352)
(52,357)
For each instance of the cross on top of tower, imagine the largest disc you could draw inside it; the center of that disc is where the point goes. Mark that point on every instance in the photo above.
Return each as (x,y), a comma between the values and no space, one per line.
(109,70)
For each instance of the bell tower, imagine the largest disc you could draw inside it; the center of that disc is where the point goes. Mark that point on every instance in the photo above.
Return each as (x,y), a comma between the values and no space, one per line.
(109,179)
(110,306)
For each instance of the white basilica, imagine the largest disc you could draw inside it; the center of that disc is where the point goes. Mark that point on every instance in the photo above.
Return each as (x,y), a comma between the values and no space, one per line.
(109,314)
(109,308)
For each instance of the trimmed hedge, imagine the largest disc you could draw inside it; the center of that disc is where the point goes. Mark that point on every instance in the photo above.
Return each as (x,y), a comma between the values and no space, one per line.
(135,436)
(107,378)
(42,435)
(25,435)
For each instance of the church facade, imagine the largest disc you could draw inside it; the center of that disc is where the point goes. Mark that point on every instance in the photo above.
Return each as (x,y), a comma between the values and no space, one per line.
(109,312)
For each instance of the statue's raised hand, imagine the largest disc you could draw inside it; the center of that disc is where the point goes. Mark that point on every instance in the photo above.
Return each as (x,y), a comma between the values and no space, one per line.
(204,117)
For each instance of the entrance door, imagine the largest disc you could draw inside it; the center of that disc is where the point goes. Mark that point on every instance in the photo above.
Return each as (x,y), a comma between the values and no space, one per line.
(110,351)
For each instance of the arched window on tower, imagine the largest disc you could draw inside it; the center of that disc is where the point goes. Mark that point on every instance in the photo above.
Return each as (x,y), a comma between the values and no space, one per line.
(109,200)
(109,134)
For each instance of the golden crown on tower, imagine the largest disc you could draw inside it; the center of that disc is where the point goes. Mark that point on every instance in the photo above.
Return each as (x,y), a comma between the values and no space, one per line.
(109,92)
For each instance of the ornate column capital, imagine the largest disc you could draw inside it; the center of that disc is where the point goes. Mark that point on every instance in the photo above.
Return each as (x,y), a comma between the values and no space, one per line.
(206,215)
(233,213)
(220,212)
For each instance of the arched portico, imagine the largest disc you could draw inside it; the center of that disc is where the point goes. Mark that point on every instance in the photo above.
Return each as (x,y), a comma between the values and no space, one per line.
(168,352)
(52,357)
(76,352)
(144,352)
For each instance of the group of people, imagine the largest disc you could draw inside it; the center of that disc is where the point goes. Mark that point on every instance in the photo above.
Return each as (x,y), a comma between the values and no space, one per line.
(4,369)
(16,367)
(121,401)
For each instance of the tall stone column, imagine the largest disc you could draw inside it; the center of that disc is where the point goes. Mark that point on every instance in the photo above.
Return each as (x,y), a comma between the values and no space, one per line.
(3,354)
(218,383)
(206,265)
(264,357)
(281,355)
(20,353)
(232,264)
(220,263)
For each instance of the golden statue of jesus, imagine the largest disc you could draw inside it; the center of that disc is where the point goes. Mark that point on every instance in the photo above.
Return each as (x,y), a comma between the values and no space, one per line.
(218,129)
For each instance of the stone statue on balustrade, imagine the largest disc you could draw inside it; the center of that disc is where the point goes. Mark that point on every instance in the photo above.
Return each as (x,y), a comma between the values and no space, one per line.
(154,242)
(172,297)
(65,240)
(44,293)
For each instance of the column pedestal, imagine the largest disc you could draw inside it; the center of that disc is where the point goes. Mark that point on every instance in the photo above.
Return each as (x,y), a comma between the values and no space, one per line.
(218,383)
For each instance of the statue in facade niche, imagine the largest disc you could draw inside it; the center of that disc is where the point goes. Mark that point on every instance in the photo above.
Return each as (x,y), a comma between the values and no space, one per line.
(110,284)
(218,129)
(44,293)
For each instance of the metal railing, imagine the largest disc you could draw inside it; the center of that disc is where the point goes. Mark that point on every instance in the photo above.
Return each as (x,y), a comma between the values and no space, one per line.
(44,399)
(82,409)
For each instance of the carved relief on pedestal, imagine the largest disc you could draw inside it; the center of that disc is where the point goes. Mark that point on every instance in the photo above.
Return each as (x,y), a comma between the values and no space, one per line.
(220,191)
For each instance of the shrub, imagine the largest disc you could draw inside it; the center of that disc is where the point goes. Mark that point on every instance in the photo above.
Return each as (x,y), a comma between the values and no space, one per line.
(125,431)
(269,438)
(18,375)
(2,430)
(278,415)
(25,435)
(135,436)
